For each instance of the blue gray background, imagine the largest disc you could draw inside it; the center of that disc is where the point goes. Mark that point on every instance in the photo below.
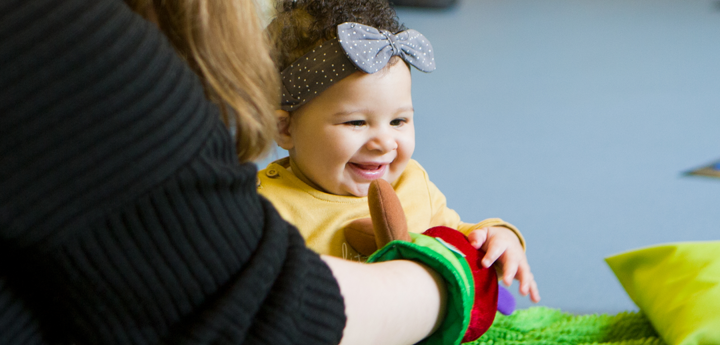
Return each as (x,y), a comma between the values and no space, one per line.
(574,120)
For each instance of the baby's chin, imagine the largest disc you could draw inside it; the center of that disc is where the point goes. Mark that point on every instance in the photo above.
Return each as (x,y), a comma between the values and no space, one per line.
(361,189)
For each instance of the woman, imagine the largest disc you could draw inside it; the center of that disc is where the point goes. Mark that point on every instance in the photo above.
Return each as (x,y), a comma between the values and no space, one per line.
(124,214)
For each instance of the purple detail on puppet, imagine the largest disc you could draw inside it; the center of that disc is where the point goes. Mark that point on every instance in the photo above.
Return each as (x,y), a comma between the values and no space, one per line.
(506,301)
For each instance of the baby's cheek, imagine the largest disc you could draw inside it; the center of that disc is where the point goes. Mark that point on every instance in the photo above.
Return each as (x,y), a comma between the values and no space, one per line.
(406,149)
(395,170)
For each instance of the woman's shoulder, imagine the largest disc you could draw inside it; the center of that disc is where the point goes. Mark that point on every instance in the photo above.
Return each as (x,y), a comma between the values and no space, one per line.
(116,121)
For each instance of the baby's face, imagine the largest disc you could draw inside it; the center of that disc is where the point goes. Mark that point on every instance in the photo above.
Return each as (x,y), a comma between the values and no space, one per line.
(358,130)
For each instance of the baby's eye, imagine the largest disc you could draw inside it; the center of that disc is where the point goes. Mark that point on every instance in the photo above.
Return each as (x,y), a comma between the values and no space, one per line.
(356,123)
(398,122)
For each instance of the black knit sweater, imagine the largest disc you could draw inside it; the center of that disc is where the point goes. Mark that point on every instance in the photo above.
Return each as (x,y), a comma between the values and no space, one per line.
(124,215)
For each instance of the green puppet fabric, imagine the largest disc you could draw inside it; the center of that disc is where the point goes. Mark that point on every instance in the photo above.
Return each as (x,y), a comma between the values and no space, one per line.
(454,269)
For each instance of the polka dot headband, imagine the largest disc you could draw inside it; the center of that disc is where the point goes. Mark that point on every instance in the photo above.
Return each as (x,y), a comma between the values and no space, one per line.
(358,48)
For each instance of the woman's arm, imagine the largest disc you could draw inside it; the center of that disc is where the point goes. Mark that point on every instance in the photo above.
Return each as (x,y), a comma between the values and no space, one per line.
(120,189)
(124,214)
(394,302)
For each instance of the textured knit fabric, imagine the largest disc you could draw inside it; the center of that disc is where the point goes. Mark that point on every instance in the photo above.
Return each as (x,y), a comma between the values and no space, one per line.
(124,215)
(546,326)
(321,216)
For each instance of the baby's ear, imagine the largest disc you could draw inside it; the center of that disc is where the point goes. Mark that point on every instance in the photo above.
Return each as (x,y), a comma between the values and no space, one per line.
(283,137)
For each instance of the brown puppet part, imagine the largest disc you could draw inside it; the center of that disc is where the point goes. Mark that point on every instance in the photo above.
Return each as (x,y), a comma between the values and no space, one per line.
(387,222)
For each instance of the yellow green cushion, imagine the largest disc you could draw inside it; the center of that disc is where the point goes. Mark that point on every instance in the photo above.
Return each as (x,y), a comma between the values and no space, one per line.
(677,285)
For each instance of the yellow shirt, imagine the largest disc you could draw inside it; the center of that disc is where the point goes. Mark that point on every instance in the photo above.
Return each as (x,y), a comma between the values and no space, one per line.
(320,216)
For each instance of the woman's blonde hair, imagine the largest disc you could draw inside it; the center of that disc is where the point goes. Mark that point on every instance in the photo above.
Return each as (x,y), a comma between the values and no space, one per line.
(223,42)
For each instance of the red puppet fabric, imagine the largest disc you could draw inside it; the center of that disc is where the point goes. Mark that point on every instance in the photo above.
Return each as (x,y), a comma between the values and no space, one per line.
(486,282)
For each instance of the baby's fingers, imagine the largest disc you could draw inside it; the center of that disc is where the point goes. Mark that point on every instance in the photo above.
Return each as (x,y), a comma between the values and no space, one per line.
(525,278)
(510,269)
(493,253)
(527,282)
(534,292)
(478,237)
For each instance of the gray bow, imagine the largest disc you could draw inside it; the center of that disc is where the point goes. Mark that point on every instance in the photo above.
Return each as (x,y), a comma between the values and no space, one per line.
(370,49)
(358,47)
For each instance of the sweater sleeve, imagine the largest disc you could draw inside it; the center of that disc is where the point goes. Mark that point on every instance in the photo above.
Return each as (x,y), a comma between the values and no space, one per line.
(124,214)
(18,323)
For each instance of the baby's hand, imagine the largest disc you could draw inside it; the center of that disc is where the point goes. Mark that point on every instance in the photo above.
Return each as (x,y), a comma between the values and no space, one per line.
(501,244)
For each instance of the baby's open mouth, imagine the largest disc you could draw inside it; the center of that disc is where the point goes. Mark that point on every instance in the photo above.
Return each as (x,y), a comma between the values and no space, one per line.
(368,171)
(368,166)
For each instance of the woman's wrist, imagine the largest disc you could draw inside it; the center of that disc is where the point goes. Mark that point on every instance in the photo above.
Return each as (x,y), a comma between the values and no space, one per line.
(452,266)
(382,301)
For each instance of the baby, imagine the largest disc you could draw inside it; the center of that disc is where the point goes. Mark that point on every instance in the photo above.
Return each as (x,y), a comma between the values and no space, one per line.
(347,119)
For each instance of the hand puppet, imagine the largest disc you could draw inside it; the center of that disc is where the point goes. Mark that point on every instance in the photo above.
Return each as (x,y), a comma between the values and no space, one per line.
(387,223)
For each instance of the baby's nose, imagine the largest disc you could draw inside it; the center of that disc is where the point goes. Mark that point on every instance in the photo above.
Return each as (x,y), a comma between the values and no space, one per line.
(382,142)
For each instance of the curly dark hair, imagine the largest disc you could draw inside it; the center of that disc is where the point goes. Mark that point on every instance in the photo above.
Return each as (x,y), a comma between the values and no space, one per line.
(303,24)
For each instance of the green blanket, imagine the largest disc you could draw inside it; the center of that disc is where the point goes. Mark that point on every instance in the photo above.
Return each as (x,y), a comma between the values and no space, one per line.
(546,326)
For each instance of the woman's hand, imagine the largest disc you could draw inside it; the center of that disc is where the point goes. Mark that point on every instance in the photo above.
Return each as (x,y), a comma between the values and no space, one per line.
(501,245)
